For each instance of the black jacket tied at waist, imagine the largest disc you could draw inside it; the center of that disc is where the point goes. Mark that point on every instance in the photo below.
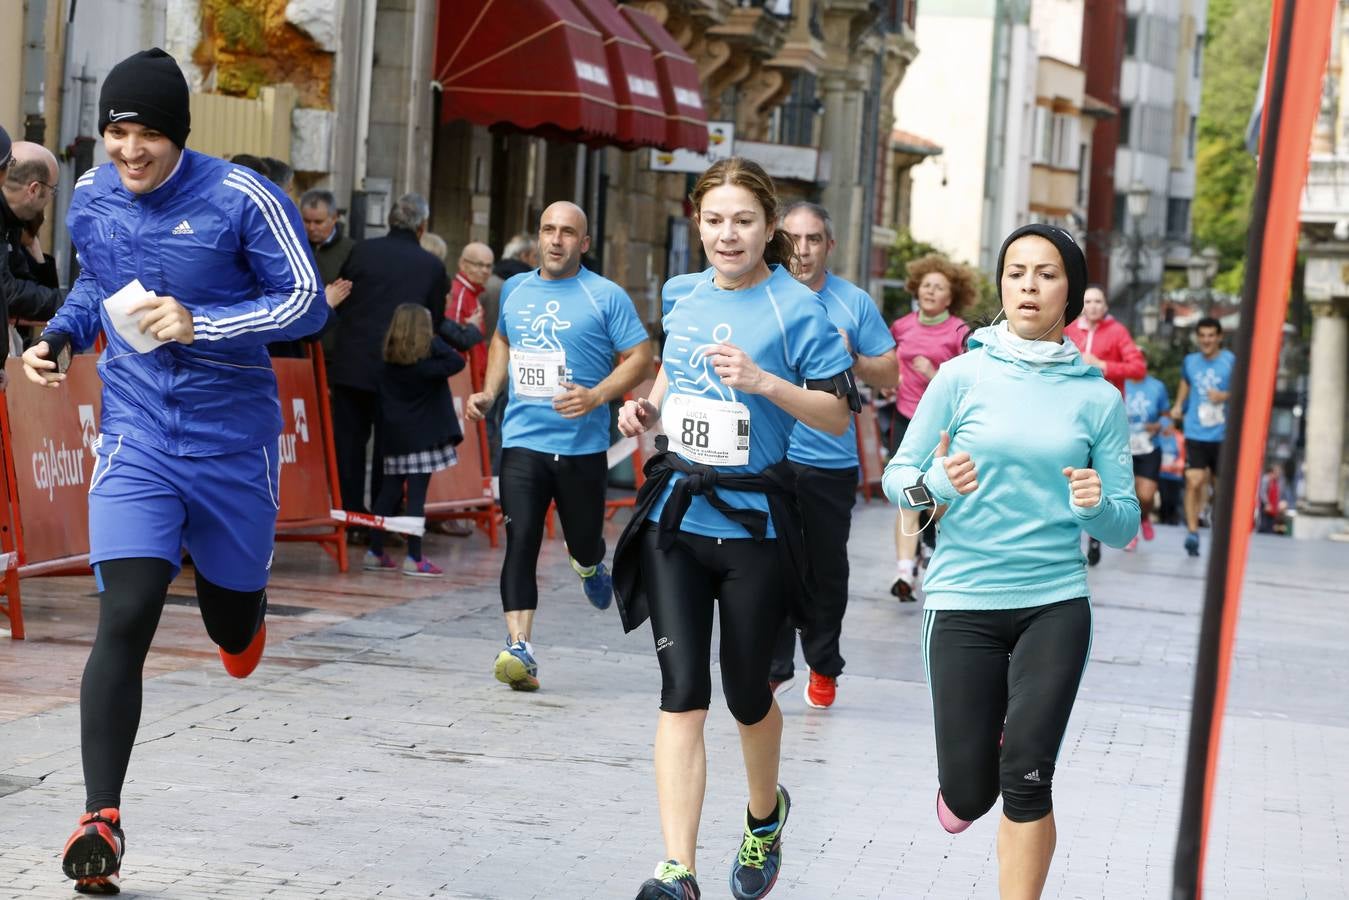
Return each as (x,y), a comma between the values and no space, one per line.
(776,482)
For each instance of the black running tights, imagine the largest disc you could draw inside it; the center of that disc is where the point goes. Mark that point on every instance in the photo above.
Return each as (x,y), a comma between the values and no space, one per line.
(529,482)
(131,598)
(1003,683)
(699,578)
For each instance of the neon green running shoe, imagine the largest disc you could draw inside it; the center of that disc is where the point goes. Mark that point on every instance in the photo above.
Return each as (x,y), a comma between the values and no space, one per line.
(672,881)
(756,866)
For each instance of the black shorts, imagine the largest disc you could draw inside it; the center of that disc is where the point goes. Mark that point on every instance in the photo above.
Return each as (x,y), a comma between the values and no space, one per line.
(1148,465)
(1203,455)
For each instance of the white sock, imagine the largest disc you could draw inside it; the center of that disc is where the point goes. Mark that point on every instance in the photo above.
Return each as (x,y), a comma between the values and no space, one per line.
(904,566)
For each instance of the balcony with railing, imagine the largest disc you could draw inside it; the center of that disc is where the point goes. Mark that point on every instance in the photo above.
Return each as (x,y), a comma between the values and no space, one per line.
(1325,200)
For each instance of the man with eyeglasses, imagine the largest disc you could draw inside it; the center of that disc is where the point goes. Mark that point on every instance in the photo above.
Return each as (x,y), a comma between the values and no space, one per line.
(29,185)
(475,267)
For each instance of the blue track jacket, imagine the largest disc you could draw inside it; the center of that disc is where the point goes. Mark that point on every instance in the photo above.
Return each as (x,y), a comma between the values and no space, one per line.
(229,246)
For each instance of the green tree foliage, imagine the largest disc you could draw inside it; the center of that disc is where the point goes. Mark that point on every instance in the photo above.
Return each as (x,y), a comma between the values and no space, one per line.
(1238,31)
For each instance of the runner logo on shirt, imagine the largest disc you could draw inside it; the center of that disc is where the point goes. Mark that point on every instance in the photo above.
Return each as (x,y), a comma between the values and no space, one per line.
(539,364)
(714,432)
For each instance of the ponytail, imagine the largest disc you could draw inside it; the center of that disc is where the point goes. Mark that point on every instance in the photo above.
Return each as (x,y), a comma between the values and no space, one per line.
(781,251)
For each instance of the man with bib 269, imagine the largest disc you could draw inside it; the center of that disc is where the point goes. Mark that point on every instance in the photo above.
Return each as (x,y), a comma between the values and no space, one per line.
(558,330)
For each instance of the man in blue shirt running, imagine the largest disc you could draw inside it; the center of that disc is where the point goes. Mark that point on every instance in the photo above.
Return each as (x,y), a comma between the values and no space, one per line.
(558,330)
(826,465)
(1205,383)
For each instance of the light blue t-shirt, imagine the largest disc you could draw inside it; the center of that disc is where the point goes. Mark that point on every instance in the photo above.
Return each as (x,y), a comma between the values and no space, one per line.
(1145,401)
(1205,421)
(577,324)
(851,309)
(782,325)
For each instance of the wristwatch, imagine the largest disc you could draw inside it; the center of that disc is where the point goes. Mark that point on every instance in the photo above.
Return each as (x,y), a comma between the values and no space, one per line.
(918,496)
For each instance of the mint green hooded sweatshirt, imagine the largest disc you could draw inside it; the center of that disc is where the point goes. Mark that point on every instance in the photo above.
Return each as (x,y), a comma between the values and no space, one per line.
(1023,410)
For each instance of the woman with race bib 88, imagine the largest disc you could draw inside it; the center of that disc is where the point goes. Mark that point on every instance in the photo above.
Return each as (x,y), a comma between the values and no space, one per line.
(713,530)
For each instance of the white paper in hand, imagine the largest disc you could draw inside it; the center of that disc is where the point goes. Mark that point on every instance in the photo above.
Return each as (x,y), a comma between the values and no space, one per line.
(128,323)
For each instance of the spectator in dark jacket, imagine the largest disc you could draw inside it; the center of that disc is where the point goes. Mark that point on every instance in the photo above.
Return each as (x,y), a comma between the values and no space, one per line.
(28,186)
(331,248)
(421,428)
(384,273)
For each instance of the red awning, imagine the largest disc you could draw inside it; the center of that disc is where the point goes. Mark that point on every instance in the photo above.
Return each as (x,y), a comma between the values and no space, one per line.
(538,65)
(633,76)
(686,118)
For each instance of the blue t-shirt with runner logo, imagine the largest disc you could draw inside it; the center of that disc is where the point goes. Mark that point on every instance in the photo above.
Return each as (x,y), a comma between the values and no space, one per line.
(851,309)
(565,330)
(1145,401)
(1205,421)
(783,326)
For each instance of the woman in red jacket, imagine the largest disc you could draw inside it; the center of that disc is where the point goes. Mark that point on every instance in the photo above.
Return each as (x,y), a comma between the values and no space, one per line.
(1106,344)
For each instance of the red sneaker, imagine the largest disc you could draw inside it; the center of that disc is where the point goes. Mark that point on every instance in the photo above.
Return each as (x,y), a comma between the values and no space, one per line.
(820,690)
(1148,531)
(93,854)
(241,665)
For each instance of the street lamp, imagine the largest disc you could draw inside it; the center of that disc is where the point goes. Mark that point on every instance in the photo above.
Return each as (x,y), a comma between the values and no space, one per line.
(1137,204)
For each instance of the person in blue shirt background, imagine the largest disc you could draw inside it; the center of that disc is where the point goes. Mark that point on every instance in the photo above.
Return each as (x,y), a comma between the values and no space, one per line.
(1145,402)
(750,353)
(558,330)
(826,465)
(1201,399)
(1171,484)
(1026,446)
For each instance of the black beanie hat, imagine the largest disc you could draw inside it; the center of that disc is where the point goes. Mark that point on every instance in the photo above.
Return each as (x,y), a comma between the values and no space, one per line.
(1074,263)
(147,88)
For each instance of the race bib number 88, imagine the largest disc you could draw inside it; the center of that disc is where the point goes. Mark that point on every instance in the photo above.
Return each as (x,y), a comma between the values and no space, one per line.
(709,432)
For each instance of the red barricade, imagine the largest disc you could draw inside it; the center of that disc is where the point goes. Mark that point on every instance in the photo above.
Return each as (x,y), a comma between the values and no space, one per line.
(49,461)
(308,460)
(12,604)
(870,452)
(464,490)
(640,449)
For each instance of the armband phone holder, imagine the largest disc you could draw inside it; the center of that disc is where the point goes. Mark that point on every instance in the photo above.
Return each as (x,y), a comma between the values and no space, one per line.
(918,496)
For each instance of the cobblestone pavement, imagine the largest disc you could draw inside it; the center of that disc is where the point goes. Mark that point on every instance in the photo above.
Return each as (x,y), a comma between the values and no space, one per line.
(373,755)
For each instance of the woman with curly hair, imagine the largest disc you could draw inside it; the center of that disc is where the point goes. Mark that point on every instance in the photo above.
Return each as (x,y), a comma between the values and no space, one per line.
(925,338)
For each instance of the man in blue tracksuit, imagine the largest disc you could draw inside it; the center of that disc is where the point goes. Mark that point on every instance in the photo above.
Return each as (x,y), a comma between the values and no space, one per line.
(187,455)
(825,465)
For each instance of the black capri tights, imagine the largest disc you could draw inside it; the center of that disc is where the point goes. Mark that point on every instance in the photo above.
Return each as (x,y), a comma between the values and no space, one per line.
(529,482)
(744,579)
(1009,673)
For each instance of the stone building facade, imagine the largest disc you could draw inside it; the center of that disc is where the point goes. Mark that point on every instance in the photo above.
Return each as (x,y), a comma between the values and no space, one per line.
(1324,499)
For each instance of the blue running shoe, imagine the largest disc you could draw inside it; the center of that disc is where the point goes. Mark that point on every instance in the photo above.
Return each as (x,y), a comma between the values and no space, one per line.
(756,865)
(672,881)
(599,587)
(516,666)
(1192,544)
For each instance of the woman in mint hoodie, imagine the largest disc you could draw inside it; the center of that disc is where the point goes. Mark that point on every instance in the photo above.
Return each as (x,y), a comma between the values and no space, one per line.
(1024,446)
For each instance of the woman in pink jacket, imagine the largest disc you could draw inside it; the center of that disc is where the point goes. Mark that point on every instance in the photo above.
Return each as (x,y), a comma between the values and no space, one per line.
(925,339)
(1106,344)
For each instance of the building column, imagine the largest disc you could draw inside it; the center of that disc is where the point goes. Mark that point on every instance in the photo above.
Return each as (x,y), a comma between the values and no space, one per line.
(1329,369)
(844,97)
